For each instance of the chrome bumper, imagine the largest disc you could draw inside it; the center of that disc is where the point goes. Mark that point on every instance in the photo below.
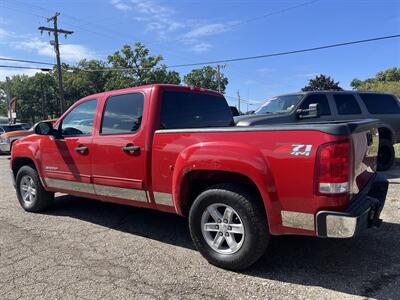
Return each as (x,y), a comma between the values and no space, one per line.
(362,213)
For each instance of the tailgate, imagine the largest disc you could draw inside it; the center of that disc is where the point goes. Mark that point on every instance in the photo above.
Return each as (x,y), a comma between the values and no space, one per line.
(365,147)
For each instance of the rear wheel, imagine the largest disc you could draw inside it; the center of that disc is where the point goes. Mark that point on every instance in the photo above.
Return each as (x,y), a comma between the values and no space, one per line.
(386,155)
(30,192)
(229,227)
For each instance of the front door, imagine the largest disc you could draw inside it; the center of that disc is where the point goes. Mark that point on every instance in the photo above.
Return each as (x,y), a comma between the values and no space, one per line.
(324,110)
(119,165)
(66,161)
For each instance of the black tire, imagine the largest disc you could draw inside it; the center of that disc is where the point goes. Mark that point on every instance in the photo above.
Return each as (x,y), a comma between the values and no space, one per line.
(42,199)
(252,214)
(386,155)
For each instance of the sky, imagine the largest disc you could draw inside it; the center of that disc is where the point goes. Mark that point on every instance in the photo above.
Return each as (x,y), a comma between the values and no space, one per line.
(189,31)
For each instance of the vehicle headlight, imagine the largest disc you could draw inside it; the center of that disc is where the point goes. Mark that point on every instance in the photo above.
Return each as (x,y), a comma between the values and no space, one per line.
(4,140)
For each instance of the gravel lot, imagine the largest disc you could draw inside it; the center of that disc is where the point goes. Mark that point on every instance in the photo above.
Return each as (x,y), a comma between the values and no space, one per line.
(89,249)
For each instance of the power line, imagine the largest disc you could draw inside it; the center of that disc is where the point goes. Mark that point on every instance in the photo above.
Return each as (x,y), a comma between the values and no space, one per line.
(273,13)
(247,101)
(251,102)
(26,61)
(114,34)
(215,62)
(120,37)
(245,58)
(24,12)
(287,52)
(25,67)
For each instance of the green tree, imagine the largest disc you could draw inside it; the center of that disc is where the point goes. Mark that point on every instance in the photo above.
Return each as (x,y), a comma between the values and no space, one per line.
(29,91)
(141,68)
(3,101)
(322,83)
(206,77)
(88,77)
(385,81)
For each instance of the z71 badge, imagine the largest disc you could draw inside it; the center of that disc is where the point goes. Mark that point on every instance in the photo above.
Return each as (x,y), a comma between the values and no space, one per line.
(301,149)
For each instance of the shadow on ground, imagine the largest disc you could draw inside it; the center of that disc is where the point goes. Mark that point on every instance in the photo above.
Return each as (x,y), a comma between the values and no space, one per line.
(361,266)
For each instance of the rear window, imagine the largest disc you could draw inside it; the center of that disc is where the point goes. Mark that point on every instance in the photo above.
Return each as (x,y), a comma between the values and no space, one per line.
(194,110)
(380,103)
(346,104)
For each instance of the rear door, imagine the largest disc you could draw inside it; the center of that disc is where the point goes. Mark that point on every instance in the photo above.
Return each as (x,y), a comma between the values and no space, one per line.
(66,161)
(119,165)
(384,107)
(346,107)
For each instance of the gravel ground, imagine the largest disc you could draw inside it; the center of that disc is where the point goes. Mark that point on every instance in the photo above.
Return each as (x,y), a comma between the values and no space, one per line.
(88,249)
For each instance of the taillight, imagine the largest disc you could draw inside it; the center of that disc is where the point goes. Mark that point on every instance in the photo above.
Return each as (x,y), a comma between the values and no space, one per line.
(333,168)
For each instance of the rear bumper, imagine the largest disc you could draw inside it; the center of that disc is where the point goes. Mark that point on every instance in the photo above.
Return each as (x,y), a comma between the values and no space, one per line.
(362,213)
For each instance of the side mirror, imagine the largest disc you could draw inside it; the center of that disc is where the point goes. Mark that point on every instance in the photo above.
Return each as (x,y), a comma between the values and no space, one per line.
(234,111)
(45,128)
(311,112)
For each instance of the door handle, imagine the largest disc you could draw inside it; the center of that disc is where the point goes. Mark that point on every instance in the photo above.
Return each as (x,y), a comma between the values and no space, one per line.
(81,149)
(131,149)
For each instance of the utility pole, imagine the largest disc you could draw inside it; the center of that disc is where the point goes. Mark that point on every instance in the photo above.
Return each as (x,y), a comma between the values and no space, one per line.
(56,45)
(238,96)
(8,94)
(219,78)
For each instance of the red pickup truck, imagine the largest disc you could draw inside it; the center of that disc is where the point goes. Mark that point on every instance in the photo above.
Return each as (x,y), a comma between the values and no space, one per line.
(176,149)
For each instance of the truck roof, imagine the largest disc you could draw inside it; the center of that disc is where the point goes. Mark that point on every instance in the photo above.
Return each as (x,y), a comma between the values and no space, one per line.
(332,91)
(151,86)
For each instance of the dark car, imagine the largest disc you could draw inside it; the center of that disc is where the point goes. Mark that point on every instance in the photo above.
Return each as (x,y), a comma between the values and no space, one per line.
(336,106)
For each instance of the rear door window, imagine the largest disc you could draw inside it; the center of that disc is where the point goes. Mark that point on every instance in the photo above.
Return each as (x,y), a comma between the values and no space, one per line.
(346,104)
(194,110)
(380,103)
(321,100)
(123,114)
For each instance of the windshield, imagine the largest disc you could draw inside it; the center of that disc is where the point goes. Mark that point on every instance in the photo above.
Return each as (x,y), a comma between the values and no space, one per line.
(280,104)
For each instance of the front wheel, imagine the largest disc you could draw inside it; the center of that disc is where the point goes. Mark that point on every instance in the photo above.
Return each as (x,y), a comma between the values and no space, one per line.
(30,192)
(229,227)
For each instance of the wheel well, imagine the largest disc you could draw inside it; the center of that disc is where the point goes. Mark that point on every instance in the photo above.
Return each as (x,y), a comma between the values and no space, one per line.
(385,133)
(196,182)
(19,162)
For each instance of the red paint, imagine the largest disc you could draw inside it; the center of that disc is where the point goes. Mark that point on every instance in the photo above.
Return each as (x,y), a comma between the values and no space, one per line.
(285,182)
